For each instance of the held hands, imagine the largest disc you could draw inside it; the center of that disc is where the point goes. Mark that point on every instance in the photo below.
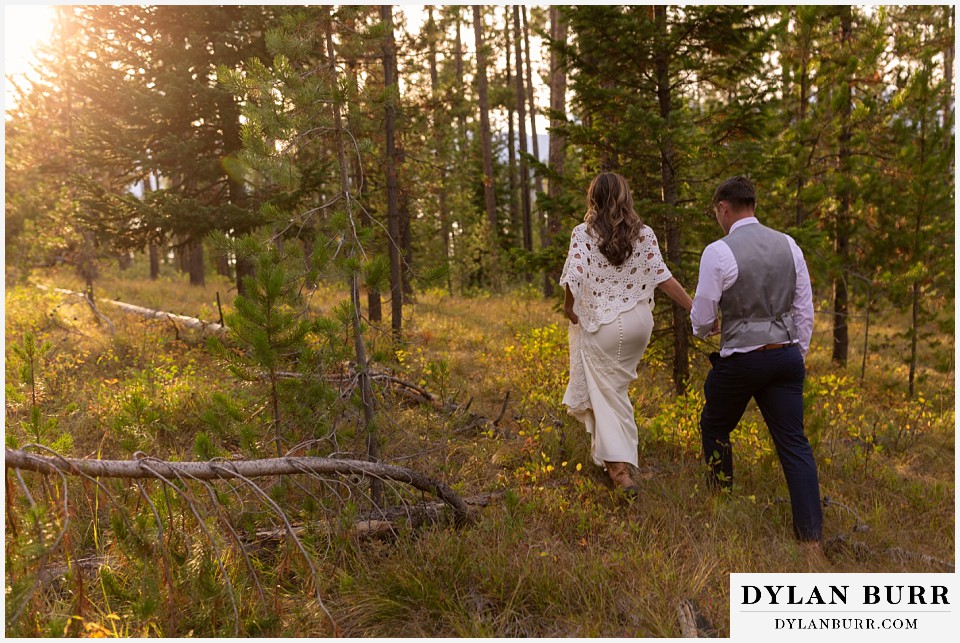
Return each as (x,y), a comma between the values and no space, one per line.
(716,328)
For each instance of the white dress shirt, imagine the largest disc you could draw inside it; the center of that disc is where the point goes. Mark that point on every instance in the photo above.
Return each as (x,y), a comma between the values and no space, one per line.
(718,271)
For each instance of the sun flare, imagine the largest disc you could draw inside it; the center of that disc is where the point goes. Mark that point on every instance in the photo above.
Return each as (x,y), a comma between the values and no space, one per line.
(25,27)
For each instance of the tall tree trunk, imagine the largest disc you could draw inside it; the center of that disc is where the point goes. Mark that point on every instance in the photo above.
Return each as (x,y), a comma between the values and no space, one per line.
(366,390)
(668,184)
(374,299)
(245,268)
(195,264)
(393,214)
(154,251)
(802,112)
(406,244)
(152,248)
(180,255)
(841,339)
(784,46)
(558,91)
(516,221)
(522,131)
(461,104)
(461,88)
(489,196)
(440,123)
(223,265)
(921,207)
(948,85)
(403,196)
(534,138)
(308,243)
(532,105)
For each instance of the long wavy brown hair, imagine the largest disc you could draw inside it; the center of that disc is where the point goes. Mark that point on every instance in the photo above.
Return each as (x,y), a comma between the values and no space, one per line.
(610,216)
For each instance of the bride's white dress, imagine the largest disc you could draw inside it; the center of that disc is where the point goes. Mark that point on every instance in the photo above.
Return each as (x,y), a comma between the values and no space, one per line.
(614,305)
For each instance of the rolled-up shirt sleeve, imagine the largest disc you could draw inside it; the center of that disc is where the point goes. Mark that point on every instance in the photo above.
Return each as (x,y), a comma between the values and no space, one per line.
(710,285)
(802,310)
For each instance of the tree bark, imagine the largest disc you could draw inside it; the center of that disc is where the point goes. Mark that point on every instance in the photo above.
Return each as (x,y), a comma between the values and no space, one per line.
(534,138)
(245,268)
(461,88)
(841,339)
(152,248)
(668,184)
(557,153)
(532,103)
(154,251)
(461,103)
(148,468)
(516,221)
(489,196)
(393,213)
(948,59)
(440,123)
(802,112)
(406,244)
(223,265)
(195,264)
(522,131)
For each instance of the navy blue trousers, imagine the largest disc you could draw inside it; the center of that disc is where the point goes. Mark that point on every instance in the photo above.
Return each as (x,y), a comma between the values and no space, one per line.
(774,378)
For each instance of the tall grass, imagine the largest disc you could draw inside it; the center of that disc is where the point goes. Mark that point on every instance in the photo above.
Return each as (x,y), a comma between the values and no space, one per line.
(561,554)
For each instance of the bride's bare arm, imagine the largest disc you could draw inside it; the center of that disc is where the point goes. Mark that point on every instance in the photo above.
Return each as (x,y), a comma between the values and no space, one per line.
(568,306)
(672,289)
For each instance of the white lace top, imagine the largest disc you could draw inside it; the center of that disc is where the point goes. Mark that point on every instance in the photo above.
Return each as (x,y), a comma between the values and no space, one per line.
(601,290)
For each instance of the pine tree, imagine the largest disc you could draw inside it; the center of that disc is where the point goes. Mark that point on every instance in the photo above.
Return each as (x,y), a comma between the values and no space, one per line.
(148,105)
(634,105)
(268,322)
(911,200)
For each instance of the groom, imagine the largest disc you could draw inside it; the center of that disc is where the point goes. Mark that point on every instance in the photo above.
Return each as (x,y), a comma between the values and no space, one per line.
(758,280)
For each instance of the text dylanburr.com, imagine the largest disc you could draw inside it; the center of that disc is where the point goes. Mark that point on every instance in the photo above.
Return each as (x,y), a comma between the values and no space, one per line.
(854,607)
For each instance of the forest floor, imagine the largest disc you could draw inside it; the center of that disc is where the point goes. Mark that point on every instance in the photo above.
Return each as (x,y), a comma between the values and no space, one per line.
(557,552)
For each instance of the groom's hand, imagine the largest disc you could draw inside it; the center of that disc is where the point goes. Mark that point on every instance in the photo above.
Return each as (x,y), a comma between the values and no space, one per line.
(716,328)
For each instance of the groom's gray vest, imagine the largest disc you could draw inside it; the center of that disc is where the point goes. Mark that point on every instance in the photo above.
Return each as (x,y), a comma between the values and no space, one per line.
(756,308)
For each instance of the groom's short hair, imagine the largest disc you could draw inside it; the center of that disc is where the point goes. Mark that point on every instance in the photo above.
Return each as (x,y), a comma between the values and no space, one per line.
(738,191)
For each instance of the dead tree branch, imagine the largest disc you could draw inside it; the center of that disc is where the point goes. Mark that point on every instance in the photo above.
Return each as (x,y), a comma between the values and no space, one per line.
(190,322)
(220,470)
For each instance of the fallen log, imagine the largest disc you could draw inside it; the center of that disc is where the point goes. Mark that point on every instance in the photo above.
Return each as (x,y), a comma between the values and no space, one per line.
(189,322)
(221,469)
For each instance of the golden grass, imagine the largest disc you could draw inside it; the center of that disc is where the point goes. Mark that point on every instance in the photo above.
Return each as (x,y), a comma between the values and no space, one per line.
(562,554)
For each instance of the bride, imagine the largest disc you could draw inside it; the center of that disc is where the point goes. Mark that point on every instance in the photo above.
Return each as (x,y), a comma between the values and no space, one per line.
(612,268)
